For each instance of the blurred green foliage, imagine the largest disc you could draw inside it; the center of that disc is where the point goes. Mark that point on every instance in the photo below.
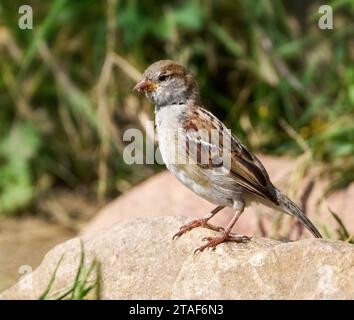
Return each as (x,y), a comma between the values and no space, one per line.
(265,67)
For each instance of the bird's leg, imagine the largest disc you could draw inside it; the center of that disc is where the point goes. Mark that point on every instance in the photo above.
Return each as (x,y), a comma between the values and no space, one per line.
(203,222)
(226,235)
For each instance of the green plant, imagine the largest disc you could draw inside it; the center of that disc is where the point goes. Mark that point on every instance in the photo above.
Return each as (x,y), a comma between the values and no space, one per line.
(18,148)
(342,232)
(86,282)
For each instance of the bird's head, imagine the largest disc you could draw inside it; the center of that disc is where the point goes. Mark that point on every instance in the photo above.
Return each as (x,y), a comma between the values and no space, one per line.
(166,82)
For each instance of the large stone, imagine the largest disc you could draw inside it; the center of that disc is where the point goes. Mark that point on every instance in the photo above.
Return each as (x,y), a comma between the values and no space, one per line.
(140,260)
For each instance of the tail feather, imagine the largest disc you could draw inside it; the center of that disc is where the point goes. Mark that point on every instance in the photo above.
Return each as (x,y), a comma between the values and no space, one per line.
(292,209)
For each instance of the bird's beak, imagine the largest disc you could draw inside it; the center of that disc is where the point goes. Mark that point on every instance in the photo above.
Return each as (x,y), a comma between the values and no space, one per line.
(145,85)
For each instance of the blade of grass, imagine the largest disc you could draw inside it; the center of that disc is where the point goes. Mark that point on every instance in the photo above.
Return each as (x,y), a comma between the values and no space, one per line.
(343,231)
(79,270)
(51,282)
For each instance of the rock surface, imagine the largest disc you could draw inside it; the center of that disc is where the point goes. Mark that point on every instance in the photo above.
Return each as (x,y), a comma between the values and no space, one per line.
(139,260)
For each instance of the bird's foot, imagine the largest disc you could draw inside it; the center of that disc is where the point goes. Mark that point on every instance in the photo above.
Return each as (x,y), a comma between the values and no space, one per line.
(194,224)
(212,242)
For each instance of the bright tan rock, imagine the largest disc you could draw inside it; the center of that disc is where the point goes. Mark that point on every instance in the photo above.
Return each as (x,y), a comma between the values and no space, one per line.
(140,261)
(264,269)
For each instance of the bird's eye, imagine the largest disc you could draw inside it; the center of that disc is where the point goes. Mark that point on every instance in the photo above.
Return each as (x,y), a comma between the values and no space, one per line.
(162,77)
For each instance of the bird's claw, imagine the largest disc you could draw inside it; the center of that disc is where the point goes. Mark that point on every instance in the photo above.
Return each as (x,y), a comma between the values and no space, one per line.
(184,229)
(212,242)
(194,224)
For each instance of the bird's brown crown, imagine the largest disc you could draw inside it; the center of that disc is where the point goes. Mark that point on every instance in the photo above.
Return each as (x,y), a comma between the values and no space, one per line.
(167,82)
(169,67)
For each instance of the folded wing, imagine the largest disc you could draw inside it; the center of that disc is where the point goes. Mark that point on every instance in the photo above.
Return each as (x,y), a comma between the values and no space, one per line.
(210,145)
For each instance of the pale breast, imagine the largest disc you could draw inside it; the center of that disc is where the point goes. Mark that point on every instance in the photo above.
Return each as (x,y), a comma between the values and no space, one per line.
(206,183)
(168,131)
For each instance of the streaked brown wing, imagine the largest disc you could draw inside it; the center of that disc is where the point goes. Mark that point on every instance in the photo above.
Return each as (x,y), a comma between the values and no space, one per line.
(245,168)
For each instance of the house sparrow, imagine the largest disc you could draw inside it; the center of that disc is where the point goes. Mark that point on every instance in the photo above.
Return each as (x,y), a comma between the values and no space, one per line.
(222,171)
